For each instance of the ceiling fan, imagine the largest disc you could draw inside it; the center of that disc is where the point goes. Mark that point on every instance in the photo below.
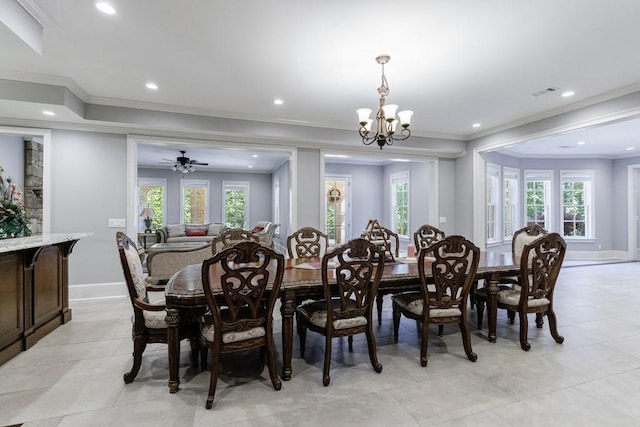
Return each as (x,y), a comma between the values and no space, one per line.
(183,163)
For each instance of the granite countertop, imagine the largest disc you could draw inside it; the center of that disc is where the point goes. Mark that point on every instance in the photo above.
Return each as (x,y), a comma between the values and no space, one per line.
(21,243)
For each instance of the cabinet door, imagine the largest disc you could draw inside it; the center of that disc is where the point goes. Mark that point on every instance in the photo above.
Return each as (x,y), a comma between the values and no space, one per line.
(11,299)
(47,285)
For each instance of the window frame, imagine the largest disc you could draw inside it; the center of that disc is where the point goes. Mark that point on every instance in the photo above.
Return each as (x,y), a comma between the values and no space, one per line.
(276,202)
(546,176)
(186,183)
(236,185)
(152,182)
(494,174)
(587,177)
(403,177)
(510,174)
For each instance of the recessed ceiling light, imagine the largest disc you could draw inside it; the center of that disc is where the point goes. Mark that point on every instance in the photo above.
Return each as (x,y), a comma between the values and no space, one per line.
(105,7)
(278,101)
(567,93)
(631,148)
(48,113)
(476,125)
(151,86)
(250,166)
(255,156)
(580,143)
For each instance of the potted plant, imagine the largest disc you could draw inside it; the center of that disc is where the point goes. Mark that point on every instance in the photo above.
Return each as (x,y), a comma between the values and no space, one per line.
(13,221)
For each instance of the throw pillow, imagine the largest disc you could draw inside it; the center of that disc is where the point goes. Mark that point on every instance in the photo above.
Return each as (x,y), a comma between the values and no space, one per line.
(257,229)
(175,230)
(202,232)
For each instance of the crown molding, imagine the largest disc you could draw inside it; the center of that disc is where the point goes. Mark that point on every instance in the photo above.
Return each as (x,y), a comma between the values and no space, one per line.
(34,10)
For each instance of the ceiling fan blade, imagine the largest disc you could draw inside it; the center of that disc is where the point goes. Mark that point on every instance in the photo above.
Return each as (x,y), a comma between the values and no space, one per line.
(193,162)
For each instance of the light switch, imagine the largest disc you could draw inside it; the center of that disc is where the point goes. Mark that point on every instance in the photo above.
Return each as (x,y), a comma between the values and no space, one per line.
(443,220)
(117,223)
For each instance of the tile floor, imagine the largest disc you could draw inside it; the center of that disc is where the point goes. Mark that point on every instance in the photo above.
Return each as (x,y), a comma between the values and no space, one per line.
(73,377)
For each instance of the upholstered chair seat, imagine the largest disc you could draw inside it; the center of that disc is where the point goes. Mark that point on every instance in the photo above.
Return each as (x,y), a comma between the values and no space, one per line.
(315,312)
(512,297)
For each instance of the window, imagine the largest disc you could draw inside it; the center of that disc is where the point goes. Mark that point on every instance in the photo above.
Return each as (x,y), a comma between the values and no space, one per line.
(493,202)
(337,208)
(510,178)
(576,203)
(276,202)
(538,198)
(195,201)
(236,203)
(151,194)
(400,203)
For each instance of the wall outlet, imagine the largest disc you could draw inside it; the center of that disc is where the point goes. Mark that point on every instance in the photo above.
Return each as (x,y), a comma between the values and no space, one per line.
(117,223)
(443,220)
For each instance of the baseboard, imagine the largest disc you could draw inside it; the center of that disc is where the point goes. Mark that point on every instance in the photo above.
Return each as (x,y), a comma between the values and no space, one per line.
(596,255)
(97,290)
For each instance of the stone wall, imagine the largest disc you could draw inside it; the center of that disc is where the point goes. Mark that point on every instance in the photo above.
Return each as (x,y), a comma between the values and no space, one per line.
(33,176)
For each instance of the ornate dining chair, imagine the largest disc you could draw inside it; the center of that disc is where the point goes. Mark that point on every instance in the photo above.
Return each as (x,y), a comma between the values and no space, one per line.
(443,298)
(383,237)
(307,242)
(237,281)
(148,319)
(540,265)
(349,291)
(521,238)
(230,237)
(426,235)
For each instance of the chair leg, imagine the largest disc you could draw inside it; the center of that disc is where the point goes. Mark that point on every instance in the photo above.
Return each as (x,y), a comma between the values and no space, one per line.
(204,353)
(512,316)
(396,321)
(350,341)
(479,313)
(472,293)
(379,301)
(539,320)
(195,350)
(327,361)
(553,326)
(466,341)
(373,353)
(139,344)
(524,326)
(302,333)
(424,342)
(440,330)
(271,362)
(215,369)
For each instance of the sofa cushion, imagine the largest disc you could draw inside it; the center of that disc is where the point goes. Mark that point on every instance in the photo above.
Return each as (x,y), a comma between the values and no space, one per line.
(175,230)
(197,232)
(215,229)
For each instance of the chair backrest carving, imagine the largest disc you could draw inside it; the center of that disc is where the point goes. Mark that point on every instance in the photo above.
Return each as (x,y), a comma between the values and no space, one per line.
(427,235)
(307,242)
(452,272)
(238,279)
(538,278)
(390,242)
(358,269)
(131,267)
(230,237)
(523,237)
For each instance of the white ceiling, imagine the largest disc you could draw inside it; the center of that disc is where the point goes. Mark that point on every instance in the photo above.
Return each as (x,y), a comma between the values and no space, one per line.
(454,63)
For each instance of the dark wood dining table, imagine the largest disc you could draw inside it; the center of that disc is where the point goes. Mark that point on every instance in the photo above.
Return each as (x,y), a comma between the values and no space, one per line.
(184,295)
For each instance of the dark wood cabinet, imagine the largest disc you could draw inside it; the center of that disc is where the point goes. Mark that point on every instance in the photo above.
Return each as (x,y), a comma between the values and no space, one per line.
(34,295)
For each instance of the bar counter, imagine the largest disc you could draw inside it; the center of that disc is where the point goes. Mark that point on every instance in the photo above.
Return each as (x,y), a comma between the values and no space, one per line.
(34,289)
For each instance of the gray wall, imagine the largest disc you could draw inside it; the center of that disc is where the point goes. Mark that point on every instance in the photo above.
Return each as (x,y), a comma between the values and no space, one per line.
(89,186)
(284,173)
(308,188)
(12,158)
(447,195)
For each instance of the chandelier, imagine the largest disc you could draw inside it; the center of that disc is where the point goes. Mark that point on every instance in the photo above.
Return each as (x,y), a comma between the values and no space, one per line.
(386,122)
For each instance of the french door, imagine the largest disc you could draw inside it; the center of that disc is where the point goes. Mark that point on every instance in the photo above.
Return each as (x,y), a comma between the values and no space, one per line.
(337,195)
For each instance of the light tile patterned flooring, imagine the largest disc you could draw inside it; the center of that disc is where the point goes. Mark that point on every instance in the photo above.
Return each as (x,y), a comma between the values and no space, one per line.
(73,377)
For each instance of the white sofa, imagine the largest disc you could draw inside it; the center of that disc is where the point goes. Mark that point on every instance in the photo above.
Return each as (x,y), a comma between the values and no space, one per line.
(180,233)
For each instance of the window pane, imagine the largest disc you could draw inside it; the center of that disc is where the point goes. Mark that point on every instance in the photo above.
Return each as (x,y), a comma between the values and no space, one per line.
(235,208)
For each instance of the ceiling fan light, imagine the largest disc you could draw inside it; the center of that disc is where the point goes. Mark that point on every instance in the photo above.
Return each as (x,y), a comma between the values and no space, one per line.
(174,167)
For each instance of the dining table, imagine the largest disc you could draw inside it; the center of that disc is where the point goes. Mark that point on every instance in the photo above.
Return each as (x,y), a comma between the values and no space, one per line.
(185,297)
